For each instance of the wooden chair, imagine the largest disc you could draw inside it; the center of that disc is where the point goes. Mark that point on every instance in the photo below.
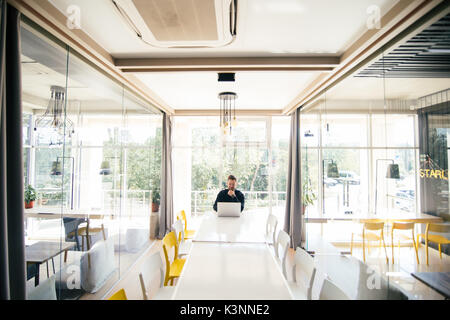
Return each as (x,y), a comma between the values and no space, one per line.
(188,234)
(271,228)
(183,247)
(119,295)
(173,268)
(370,236)
(403,226)
(330,291)
(283,241)
(440,240)
(151,267)
(86,232)
(303,274)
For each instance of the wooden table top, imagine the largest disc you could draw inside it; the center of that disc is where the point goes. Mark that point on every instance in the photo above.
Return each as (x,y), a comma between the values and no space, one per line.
(42,251)
(55,213)
(406,217)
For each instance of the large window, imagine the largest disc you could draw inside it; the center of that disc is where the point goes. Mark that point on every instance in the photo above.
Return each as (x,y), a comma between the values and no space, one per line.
(256,153)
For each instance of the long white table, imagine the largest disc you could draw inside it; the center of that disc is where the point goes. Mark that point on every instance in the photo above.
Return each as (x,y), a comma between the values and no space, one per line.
(229,259)
(223,271)
(249,227)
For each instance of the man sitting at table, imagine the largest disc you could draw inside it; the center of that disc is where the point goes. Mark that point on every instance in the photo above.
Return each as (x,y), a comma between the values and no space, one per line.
(231,194)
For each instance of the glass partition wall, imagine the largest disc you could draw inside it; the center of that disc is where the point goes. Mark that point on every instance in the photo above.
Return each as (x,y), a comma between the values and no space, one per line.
(376,145)
(92,154)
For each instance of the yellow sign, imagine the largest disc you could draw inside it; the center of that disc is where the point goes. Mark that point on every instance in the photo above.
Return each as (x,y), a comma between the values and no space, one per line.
(435,174)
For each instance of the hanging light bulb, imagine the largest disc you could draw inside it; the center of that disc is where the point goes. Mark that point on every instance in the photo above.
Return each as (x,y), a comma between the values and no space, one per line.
(227,111)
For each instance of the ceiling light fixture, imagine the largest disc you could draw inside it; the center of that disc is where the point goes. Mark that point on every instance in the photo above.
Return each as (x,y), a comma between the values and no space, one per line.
(227,111)
(54,117)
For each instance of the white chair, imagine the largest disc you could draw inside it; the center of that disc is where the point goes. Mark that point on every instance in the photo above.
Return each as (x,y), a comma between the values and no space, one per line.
(281,248)
(183,246)
(89,270)
(330,291)
(46,290)
(153,266)
(271,228)
(303,274)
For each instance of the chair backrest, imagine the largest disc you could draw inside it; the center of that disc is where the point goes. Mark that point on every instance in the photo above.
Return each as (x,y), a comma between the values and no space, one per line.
(152,266)
(179,231)
(403,225)
(374,225)
(283,241)
(303,271)
(181,215)
(71,229)
(438,228)
(271,227)
(119,295)
(330,291)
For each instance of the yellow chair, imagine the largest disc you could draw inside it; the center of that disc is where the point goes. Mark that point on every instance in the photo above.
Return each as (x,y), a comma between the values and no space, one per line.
(438,228)
(173,269)
(119,295)
(370,236)
(188,234)
(403,226)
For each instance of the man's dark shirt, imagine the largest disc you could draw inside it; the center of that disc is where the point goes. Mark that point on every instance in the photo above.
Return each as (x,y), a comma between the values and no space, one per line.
(224,197)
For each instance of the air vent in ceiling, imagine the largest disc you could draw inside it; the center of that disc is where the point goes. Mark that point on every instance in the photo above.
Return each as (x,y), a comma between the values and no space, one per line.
(426,55)
(180,24)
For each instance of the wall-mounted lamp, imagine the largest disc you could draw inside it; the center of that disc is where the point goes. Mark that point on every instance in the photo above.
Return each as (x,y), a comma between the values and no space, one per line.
(392,172)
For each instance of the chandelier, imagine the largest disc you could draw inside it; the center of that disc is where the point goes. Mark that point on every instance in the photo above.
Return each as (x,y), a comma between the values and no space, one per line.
(227,111)
(53,116)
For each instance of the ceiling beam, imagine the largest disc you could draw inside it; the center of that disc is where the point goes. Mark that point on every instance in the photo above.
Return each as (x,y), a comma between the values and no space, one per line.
(400,17)
(303,63)
(239,112)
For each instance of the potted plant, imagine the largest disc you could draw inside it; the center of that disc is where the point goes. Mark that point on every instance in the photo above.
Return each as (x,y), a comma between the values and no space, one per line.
(30,197)
(308,195)
(155,200)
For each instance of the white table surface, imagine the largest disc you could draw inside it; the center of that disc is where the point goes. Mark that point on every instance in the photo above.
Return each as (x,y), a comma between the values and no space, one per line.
(249,227)
(238,271)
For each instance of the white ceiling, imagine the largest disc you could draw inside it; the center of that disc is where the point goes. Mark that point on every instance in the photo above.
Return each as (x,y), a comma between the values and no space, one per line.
(199,90)
(264,28)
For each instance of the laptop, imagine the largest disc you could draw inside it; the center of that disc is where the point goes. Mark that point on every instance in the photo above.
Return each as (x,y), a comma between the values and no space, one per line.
(228,209)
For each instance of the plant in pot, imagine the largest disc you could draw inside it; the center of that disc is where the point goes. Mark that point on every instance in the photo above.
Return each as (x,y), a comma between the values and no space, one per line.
(30,197)
(308,195)
(155,200)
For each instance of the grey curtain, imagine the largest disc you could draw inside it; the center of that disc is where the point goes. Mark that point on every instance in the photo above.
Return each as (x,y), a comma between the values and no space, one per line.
(293,219)
(166,205)
(12,246)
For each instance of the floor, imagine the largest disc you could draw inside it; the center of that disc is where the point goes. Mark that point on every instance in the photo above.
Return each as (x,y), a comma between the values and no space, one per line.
(399,272)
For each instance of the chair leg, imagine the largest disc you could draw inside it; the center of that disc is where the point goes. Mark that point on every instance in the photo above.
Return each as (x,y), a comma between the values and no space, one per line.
(53,265)
(415,248)
(440,252)
(82,243)
(426,249)
(351,245)
(384,245)
(48,273)
(364,248)
(392,245)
